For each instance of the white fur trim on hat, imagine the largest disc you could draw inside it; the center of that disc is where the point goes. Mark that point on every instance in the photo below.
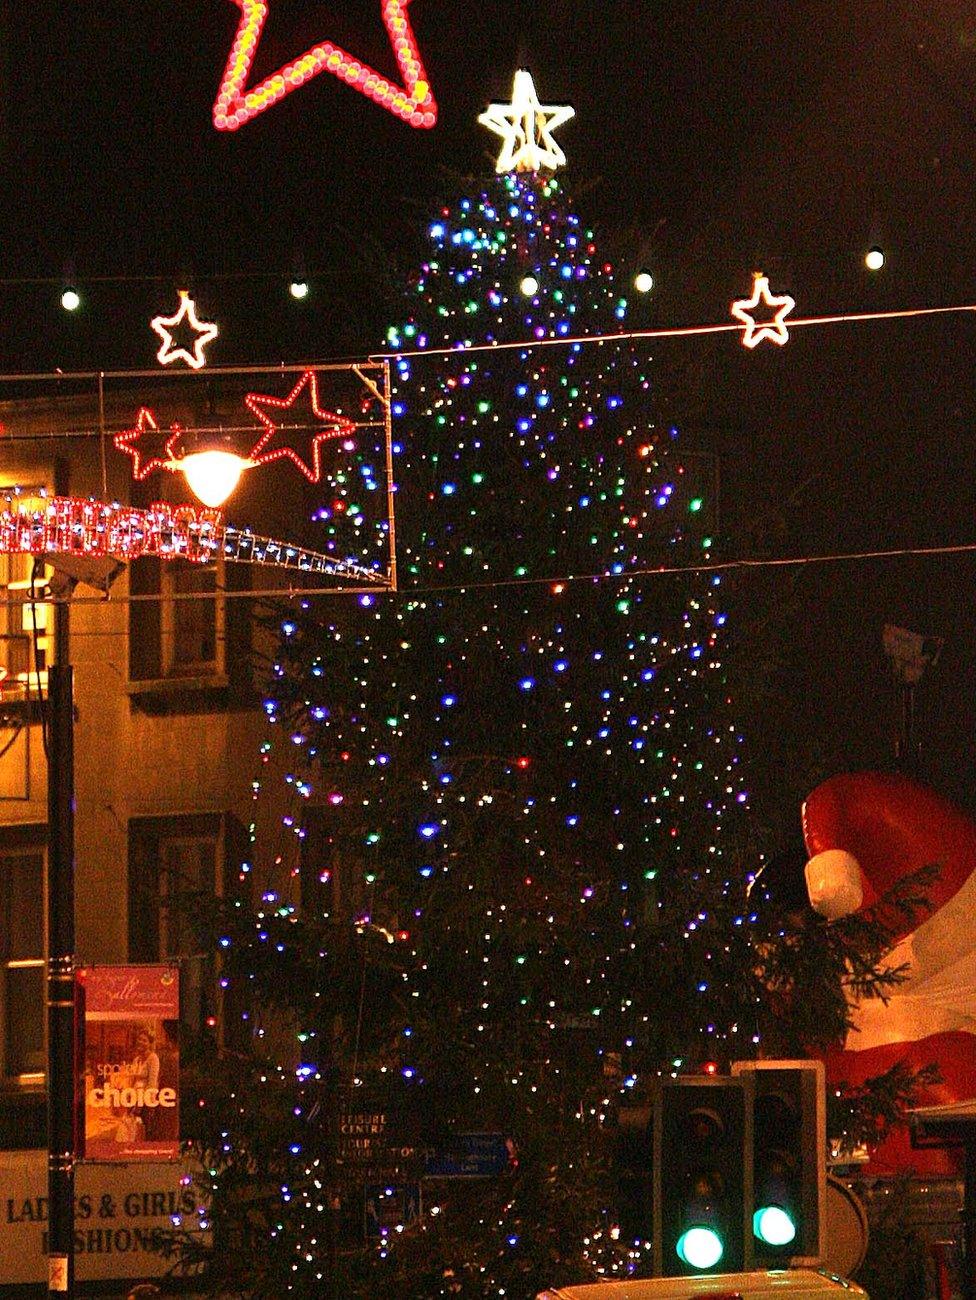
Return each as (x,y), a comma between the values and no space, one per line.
(834,883)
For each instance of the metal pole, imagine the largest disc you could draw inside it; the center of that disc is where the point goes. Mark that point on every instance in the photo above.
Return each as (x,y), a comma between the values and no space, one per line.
(906,750)
(60,966)
(390,485)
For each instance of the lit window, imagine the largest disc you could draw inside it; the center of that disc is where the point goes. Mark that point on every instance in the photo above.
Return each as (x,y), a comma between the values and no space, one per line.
(26,630)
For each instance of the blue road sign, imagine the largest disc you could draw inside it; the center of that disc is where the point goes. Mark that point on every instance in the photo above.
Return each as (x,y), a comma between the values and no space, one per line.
(472,1155)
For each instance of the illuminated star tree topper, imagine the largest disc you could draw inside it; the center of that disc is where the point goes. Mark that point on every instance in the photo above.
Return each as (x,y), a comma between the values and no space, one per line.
(526,128)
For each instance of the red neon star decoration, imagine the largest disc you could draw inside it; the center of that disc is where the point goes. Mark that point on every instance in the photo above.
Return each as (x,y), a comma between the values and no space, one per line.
(145,420)
(413,101)
(339,426)
(774,330)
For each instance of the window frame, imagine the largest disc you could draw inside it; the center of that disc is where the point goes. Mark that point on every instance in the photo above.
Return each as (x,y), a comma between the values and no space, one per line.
(17,842)
(173,666)
(22,687)
(146,902)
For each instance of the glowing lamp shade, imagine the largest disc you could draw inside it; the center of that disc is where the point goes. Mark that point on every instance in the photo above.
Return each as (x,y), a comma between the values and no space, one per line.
(529,286)
(213,475)
(874,259)
(773,1225)
(71,300)
(298,289)
(700,1247)
(643,282)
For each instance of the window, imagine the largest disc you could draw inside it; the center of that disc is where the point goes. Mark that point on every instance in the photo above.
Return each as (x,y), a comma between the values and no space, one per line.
(172,861)
(22,958)
(181,635)
(192,641)
(187,870)
(25,632)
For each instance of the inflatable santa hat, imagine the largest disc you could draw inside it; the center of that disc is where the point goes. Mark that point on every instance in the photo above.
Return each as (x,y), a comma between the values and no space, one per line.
(865,831)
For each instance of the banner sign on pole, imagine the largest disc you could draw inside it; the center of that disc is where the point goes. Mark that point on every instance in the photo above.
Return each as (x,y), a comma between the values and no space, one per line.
(129,1063)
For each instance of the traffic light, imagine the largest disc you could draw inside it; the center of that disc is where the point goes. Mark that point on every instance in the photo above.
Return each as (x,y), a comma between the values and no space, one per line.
(726,1174)
(633,1163)
(702,1176)
(788,1159)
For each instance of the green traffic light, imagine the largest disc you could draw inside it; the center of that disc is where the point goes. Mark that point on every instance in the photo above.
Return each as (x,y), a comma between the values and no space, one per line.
(773,1226)
(700,1247)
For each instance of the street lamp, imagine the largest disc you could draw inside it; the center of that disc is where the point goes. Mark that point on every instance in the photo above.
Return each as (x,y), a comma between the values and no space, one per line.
(97,572)
(213,473)
(210,467)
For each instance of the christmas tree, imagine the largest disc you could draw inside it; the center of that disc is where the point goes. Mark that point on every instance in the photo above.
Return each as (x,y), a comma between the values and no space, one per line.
(519,885)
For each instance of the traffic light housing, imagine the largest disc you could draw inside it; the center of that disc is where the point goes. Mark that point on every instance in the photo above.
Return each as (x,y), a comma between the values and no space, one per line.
(788,1160)
(726,1174)
(702,1184)
(633,1164)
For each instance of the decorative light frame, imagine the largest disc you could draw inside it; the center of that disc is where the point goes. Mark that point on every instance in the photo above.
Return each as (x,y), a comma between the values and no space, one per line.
(125,441)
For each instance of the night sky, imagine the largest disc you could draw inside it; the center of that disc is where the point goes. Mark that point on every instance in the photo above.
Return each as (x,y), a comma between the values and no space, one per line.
(711,139)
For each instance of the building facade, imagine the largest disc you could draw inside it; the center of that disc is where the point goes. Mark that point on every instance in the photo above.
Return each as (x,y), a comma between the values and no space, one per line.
(166,742)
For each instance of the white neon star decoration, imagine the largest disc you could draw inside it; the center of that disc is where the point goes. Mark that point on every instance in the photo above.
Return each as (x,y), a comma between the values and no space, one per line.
(205,331)
(526,127)
(774,330)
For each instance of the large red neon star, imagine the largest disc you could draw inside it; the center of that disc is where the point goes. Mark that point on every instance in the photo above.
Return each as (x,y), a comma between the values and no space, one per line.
(125,440)
(235,105)
(339,426)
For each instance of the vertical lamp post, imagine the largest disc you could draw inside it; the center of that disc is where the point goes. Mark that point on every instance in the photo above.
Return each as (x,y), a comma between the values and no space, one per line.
(60,964)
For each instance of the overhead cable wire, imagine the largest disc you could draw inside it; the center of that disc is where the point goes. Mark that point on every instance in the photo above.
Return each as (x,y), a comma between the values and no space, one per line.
(462,588)
(669,332)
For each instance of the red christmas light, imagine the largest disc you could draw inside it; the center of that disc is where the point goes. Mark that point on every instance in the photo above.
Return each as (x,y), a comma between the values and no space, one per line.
(413,101)
(76,526)
(124,442)
(79,526)
(338,426)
